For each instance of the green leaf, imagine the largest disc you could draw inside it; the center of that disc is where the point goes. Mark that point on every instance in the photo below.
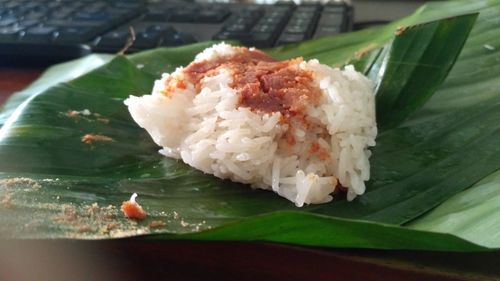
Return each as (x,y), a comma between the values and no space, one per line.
(417,63)
(54,185)
(472,214)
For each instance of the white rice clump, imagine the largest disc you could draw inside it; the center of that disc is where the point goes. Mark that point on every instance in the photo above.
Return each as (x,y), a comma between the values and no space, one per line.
(209,131)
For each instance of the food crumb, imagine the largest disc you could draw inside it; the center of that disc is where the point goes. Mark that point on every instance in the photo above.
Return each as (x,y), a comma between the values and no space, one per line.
(72,113)
(157,224)
(75,113)
(132,210)
(489,47)
(90,138)
(400,30)
(183,223)
(363,51)
(176,215)
(107,228)
(103,120)
(84,228)
(13,182)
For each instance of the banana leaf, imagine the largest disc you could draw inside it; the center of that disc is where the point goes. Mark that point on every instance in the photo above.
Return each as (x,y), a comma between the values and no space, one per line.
(56,186)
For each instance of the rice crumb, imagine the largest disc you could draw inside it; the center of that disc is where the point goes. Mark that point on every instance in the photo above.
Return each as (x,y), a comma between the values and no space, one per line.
(489,47)
(176,215)
(183,223)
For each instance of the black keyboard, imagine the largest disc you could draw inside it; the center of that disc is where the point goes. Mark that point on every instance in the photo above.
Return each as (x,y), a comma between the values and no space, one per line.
(65,29)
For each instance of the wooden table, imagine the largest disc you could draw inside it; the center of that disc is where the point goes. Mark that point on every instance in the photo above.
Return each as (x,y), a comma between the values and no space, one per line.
(133,259)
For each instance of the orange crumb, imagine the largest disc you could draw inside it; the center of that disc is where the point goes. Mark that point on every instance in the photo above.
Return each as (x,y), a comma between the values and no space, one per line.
(181,84)
(132,209)
(90,138)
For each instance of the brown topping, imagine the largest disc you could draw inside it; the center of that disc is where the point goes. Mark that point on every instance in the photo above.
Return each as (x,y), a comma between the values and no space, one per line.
(133,210)
(197,70)
(264,84)
(90,138)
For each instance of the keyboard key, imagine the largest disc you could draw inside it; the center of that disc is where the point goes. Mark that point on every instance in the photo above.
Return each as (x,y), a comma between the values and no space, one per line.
(296,28)
(252,12)
(303,15)
(212,16)
(261,40)
(160,28)
(264,28)
(339,9)
(177,38)
(144,40)
(156,16)
(103,25)
(237,27)
(75,34)
(9,33)
(35,16)
(305,22)
(28,23)
(272,20)
(51,5)
(331,19)
(287,38)
(42,34)
(326,31)
(128,5)
(8,21)
(97,16)
(114,39)
(183,15)
(225,35)
(62,10)
(71,23)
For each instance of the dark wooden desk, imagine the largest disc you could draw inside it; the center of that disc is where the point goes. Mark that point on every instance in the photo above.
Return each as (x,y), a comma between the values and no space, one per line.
(15,79)
(132,259)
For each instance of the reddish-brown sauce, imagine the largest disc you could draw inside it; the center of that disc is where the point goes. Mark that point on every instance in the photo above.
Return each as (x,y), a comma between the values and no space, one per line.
(264,84)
